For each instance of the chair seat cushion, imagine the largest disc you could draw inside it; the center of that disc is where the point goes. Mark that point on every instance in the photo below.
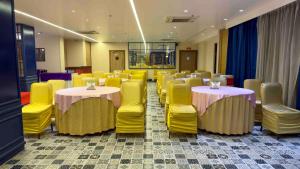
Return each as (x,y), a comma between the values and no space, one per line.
(182,111)
(35,108)
(131,110)
(281,110)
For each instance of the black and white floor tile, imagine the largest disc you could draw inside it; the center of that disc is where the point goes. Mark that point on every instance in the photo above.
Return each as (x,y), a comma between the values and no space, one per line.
(156,150)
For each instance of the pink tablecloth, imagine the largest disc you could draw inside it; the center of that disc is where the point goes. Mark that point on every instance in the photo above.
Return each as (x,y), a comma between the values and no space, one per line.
(203,96)
(64,98)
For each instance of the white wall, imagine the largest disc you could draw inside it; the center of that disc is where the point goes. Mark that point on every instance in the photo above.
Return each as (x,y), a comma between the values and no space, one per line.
(75,53)
(53,53)
(206,54)
(100,55)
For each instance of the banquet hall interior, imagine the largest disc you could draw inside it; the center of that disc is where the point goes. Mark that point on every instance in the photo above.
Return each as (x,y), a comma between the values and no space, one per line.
(132,84)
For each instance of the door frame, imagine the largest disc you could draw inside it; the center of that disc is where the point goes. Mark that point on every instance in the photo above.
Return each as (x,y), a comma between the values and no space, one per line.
(111,57)
(180,54)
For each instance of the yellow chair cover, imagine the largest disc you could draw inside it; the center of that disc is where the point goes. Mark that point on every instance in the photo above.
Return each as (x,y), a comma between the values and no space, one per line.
(130,116)
(113,82)
(194,82)
(86,75)
(179,75)
(205,75)
(162,96)
(77,81)
(254,84)
(56,85)
(182,116)
(124,75)
(37,114)
(278,118)
(170,82)
(98,74)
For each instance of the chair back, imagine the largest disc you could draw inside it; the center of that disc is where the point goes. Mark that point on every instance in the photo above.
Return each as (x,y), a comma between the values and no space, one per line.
(113,82)
(77,81)
(195,82)
(253,84)
(271,93)
(86,75)
(205,75)
(180,94)
(165,79)
(41,93)
(179,75)
(171,82)
(56,85)
(124,75)
(98,74)
(131,93)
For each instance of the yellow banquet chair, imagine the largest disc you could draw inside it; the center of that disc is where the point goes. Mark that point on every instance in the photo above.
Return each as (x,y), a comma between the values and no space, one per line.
(205,75)
(77,81)
(254,84)
(86,75)
(56,85)
(37,114)
(163,93)
(179,75)
(130,116)
(113,82)
(124,75)
(277,117)
(98,74)
(182,116)
(195,82)
(186,72)
(170,82)
(144,94)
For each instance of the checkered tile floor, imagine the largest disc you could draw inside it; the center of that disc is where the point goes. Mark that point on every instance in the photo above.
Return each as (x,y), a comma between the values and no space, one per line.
(156,150)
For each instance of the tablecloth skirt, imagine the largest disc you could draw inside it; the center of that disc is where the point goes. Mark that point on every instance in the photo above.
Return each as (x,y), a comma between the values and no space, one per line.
(87,116)
(231,115)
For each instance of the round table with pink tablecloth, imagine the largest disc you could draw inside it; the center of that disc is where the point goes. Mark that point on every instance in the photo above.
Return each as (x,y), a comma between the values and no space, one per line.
(227,110)
(79,111)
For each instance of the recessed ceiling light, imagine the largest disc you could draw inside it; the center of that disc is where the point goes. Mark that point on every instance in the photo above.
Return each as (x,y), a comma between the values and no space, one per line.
(225,19)
(212,26)
(39,33)
(174,27)
(86,20)
(73,11)
(241,10)
(186,11)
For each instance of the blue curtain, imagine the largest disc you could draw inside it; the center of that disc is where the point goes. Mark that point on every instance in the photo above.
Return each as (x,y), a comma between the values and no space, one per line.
(298,91)
(242,52)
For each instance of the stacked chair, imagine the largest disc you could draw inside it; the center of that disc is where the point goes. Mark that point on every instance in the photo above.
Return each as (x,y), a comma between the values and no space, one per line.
(170,82)
(37,114)
(113,82)
(179,75)
(254,84)
(182,116)
(131,116)
(192,82)
(162,96)
(278,118)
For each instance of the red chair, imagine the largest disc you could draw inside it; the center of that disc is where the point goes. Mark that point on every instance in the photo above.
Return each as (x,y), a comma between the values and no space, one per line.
(25,98)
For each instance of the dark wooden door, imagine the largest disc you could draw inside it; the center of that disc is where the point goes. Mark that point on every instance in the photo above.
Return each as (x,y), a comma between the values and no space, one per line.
(116,60)
(188,60)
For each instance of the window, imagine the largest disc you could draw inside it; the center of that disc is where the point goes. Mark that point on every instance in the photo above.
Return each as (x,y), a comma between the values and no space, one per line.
(157,55)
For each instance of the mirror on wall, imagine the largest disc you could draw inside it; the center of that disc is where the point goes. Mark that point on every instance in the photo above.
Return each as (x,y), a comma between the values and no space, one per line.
(152,55)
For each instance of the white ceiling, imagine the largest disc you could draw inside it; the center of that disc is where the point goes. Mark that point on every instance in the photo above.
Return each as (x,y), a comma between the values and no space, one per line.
(114,20)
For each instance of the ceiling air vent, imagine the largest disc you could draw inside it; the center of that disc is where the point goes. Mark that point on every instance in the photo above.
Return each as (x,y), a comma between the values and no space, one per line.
(88,32)
(180,19)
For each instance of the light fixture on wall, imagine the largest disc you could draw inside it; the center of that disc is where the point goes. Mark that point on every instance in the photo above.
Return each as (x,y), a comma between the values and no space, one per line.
(53,25)
(138,23)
